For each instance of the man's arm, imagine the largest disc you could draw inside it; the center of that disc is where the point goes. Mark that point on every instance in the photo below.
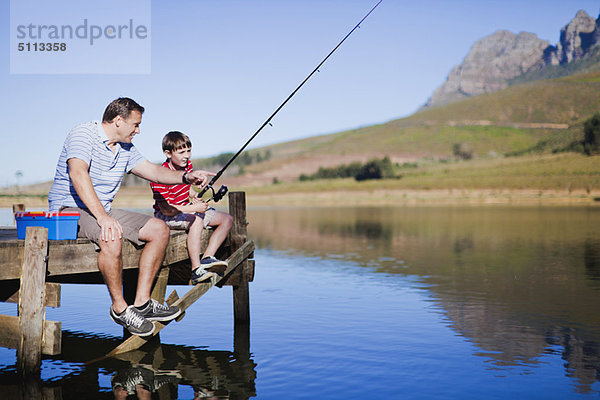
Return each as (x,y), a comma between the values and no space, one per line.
(166,176)
(80,178)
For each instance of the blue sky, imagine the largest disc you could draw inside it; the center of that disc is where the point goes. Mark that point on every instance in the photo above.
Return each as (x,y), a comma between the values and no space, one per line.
(220,68)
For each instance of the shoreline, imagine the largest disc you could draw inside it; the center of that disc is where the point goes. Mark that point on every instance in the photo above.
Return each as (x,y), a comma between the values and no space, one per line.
(142,198)
(456,197)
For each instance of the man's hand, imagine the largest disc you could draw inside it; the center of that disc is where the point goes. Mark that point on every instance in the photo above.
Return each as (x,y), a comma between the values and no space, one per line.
(199,177)
(110,229)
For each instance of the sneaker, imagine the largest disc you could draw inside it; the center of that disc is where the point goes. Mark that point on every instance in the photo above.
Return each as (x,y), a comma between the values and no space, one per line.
(130,378)
(201,275)
(212,264)
(155,311)
(162,377)
(133,321)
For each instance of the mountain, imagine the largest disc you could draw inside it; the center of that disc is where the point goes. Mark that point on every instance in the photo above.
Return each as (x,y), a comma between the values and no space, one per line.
(513,95)
(504,58)
(539,116)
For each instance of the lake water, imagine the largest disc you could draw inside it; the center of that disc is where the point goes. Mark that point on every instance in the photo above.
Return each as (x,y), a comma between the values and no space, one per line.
(369,303)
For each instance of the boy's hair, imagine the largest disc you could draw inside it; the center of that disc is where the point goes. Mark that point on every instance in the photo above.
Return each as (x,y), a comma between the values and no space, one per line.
(176,140)
(122,106)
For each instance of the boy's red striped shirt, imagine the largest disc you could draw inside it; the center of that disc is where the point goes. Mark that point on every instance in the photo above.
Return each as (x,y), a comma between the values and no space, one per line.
(172,194)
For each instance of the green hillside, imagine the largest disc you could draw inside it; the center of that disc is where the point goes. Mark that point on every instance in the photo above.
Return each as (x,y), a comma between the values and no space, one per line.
(563,100)
(505,132)
(590,63)
(510,116)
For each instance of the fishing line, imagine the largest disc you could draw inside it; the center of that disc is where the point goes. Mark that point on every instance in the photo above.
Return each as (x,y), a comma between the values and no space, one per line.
(223,190)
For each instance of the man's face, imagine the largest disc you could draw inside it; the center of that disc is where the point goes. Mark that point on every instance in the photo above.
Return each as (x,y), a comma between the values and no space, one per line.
(179,158)
(128,128)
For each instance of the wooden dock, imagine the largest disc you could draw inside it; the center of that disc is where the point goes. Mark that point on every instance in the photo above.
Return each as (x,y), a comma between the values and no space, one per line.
(33,270)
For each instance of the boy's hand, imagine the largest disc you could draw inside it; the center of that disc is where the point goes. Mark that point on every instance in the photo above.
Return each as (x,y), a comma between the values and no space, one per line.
(199,204)
(199,177)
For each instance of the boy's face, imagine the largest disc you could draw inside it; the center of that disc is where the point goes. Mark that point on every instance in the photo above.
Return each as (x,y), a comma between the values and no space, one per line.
(179,158)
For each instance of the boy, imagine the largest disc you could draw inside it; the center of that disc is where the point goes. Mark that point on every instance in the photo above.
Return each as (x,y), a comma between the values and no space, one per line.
(180,207)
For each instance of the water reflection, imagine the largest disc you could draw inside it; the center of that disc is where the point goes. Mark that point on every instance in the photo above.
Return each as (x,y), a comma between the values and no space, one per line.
(519,283)
(591,258)
(156,371)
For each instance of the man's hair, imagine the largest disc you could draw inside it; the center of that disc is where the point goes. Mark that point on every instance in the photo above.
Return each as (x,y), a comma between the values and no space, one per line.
(176,140)
(122,106)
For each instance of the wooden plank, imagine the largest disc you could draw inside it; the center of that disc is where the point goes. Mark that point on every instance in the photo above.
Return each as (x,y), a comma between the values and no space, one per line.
(9,335)
(11,259)
(177,248)
(251,264)
(31,301)
(80,256)
(160,285)
(53,294)
(135,342)
(52,297)
(52,339)
(173,297)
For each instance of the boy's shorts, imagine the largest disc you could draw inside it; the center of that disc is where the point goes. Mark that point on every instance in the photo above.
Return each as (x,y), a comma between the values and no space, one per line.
(183,220)
(131,223)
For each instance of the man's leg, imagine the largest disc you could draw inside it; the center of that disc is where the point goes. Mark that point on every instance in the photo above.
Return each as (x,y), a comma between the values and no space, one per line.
(156,235)
(110,264)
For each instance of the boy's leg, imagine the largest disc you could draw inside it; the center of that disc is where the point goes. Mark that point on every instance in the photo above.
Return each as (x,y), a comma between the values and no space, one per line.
(209,264)
(222,223)
(194,224)
(194,240)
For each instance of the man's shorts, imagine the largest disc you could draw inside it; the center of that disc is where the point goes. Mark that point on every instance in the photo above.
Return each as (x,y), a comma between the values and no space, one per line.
(183,220)
(131,223)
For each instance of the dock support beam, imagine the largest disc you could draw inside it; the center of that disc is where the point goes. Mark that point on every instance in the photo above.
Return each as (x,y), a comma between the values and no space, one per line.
(241,277)
(239,235)
(31,301)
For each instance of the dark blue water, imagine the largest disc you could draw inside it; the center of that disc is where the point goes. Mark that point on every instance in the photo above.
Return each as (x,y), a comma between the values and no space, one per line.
(372,304)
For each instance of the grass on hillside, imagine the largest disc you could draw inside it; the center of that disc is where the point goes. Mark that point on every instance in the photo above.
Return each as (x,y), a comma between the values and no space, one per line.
(432,133)
(414,142)
(559,172)
(564,100)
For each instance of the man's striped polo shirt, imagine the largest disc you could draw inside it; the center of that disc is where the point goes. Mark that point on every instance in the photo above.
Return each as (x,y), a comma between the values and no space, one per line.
(88,142)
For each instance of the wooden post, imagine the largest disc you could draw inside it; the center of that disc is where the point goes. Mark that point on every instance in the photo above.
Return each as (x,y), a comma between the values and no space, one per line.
(31,301)
(239,235)
(160,285)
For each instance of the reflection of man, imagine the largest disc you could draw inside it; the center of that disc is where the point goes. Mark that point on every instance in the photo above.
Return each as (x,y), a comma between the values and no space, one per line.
(141,380)
(88,175)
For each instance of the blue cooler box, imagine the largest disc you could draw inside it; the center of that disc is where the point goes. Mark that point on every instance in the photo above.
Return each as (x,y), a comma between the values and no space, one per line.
(60,225)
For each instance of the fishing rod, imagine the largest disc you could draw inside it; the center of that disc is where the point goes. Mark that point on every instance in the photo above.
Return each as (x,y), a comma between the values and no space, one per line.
(223,189)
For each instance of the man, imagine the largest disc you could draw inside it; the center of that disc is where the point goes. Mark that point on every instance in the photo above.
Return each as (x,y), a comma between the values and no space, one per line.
(88,175)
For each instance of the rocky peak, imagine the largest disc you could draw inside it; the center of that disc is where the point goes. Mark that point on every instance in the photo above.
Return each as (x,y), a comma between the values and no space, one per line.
(496,59)
(490,63)
(575,39)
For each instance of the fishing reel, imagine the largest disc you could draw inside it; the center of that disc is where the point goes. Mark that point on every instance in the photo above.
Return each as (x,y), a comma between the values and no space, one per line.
(218,195)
